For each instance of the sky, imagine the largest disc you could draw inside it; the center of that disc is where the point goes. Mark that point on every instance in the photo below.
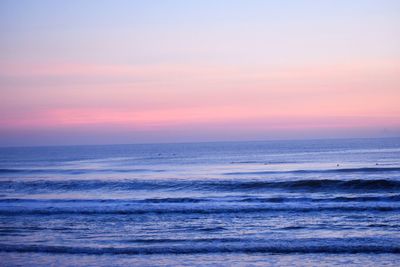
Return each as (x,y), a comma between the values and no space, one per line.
(105,72)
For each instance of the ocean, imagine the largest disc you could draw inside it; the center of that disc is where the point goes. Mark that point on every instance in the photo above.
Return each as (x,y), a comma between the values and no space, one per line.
(272,203)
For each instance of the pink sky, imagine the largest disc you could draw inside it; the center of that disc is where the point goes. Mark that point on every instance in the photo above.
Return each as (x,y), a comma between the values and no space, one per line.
(261,86)
(160,97)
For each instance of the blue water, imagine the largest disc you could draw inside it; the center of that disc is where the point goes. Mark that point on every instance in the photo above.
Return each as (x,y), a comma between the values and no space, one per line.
(323,202)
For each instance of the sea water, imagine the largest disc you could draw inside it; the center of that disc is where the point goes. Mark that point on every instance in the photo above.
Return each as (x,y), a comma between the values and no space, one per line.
(311,202)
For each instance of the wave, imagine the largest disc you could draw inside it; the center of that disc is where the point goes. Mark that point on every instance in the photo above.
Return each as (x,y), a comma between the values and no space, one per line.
(184,240)
(317,185)
(231,199)
(334,246)
(180,209)
(323,199)
(310,185)
(338,170)
(119,201)
(39,186)
(73,171)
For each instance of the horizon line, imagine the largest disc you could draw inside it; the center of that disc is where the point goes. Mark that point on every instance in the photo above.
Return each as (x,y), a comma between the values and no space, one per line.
(202,142)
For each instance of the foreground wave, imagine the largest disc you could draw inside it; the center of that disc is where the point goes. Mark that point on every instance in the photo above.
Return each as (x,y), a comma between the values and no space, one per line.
(186,209)
(240,198)
(204,185)
(336,246)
